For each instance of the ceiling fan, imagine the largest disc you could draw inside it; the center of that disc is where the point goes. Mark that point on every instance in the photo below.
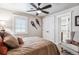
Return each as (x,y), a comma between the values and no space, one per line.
(40,9)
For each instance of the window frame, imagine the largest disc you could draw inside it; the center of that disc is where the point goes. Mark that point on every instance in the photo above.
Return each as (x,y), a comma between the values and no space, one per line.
(26,31)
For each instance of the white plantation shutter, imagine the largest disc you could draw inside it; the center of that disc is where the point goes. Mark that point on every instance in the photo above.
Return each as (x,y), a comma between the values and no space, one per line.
(21,25)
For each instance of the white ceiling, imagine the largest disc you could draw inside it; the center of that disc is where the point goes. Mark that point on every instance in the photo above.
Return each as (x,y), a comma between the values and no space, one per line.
(24,7)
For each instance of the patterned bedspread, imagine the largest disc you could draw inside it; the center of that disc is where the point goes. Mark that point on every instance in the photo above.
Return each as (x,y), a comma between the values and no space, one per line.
(35,46)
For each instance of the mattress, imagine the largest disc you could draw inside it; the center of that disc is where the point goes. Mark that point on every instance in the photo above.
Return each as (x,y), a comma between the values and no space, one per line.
(35,46)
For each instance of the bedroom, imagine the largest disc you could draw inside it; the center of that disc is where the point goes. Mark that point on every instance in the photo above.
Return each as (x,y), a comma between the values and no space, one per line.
(45,32)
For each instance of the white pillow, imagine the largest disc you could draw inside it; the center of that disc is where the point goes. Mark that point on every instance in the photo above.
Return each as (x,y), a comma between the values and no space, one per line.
(8,31)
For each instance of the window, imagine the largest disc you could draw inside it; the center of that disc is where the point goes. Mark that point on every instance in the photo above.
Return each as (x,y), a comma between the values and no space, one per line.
(3,20)
(21,25)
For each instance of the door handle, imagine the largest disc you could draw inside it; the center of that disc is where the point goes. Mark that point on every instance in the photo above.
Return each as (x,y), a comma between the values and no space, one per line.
(47,31)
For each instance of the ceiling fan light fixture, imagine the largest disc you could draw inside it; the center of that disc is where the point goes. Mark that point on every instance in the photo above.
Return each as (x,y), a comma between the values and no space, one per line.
(39,11)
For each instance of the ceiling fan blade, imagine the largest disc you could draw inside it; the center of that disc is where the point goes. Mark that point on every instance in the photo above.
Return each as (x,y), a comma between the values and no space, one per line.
(33,5)
(39,4)
(45,12)
(31,10)
(47,6)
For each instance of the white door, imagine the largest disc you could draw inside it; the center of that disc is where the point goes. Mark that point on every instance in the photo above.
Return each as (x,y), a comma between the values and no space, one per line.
(48,28)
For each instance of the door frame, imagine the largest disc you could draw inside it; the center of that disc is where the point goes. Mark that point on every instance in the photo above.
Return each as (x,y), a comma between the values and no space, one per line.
(59,31)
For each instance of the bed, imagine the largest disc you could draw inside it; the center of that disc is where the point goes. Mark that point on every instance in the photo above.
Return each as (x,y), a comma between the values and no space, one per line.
(35,46)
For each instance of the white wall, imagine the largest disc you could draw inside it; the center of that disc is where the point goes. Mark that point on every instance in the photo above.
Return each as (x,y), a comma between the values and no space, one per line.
(74,12)
(31,30)
(6,15)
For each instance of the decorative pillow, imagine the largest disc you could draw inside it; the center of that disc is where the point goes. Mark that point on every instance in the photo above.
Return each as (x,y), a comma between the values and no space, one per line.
(75,43)
(3,50)
(11,41)
(69,41)
(20,40)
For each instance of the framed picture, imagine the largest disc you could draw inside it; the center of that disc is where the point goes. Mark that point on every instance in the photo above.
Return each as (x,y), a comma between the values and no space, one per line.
(76,20)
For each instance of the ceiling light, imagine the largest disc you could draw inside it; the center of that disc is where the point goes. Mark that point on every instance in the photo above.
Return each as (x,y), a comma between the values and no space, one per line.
(38,11)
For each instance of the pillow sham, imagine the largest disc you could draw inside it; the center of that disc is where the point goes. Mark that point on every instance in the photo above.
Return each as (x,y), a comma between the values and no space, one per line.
(11,41)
